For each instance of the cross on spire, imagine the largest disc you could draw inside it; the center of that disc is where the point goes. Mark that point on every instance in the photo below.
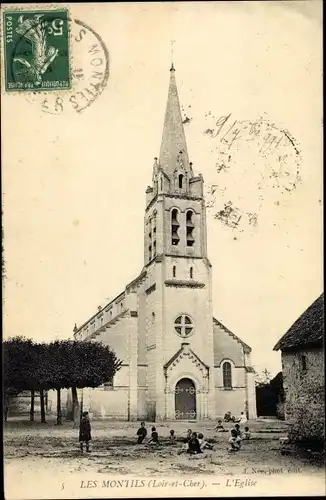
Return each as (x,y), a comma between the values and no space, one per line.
(172,54)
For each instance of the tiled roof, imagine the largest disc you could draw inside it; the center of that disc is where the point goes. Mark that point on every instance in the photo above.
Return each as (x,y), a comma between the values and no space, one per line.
(307,330)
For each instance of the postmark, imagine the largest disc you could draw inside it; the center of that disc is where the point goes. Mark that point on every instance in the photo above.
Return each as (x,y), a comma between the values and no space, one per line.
(36,50)
(89,73)
(256,162)
(88,62)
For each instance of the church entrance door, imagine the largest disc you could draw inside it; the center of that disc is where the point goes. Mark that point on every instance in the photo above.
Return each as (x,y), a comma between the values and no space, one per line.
(185,400)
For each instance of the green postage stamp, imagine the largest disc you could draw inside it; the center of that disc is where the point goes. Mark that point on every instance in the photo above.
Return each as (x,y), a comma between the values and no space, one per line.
(36,50)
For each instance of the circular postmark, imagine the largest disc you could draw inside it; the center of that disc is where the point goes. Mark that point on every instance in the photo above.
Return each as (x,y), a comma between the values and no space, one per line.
(255,161)
(88,73)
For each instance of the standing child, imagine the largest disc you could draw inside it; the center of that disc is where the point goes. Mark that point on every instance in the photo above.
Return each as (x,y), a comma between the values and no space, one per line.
(84,431)
(141,433)
(235,441)
(154,437)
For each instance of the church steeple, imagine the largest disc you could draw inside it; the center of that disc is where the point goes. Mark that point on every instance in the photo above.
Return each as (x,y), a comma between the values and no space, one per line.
(173,152)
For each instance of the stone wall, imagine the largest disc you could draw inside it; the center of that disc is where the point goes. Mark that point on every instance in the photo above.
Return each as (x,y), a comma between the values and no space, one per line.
(304,394)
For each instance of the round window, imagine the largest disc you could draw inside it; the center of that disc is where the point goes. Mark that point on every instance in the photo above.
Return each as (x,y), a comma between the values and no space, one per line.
(184,326)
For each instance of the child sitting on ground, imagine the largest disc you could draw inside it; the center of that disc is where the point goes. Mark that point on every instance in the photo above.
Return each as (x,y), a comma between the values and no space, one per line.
(235,441)
(193,445)
(188,437)
(141,433)
(204,445)
(154,437)
(84,431)
(172,438)
(219,427)
(246,434)
(238,430)
(228,417)
(243,418)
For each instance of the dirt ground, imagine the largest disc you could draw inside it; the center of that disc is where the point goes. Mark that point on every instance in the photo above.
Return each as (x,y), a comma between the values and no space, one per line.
(35,446)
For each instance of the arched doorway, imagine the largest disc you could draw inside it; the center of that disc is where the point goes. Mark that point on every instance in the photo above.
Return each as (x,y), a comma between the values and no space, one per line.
(185,400)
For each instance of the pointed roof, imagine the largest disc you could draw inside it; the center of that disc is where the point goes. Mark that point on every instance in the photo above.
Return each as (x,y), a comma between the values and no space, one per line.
(173,147)
(186,351)
(308,329)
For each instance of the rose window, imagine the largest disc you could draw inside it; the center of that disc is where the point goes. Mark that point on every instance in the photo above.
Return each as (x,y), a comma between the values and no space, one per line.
(184,326)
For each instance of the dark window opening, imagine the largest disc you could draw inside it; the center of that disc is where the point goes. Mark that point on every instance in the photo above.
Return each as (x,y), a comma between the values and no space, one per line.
(190,238)
(174,271)
(303,362)
(174,227)
(154,248)
(174,217)
(191,272)
(180,181)
(189,221)
(227,375)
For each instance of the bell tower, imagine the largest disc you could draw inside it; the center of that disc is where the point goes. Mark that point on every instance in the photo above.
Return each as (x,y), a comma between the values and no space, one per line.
(175,256)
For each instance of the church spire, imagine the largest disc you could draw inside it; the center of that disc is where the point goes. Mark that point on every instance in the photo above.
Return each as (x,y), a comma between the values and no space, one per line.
(173,147)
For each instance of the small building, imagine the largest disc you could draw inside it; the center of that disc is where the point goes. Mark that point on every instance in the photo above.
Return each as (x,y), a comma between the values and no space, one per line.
(302,349)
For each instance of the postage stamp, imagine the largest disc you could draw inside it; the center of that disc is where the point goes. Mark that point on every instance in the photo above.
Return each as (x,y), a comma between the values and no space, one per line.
(36,50)
(89,71)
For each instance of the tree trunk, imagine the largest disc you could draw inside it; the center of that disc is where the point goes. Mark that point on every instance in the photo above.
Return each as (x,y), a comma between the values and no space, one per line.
(43,420)
(59,414)
(31,411)
(75,406)
(6,408)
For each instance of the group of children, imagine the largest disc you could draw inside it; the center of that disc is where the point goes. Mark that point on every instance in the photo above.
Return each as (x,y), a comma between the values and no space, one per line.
(193,443)
(237,436)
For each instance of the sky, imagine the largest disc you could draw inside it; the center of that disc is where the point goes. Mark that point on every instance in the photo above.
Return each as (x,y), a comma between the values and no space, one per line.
(74,183)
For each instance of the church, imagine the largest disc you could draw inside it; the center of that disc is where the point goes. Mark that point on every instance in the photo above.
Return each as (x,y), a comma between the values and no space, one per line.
(178,362)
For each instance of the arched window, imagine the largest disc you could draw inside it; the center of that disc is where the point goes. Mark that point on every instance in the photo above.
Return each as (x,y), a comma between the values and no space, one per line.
(190,228)
(174,226)
(174,271)
(180,181)
(227,375)
(191,272)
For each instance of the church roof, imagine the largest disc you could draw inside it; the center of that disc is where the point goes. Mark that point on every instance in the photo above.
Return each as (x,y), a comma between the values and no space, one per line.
(173,139)
(308,329)
(247,349)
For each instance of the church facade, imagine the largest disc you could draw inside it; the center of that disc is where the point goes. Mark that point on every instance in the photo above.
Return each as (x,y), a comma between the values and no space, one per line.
(178,362)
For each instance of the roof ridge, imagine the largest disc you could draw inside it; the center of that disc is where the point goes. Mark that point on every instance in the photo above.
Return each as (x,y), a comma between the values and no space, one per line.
(219,323)
(307,329)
